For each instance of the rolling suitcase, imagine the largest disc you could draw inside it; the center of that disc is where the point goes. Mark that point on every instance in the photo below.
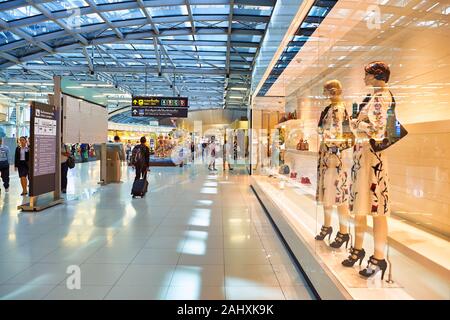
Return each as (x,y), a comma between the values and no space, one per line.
(140,187)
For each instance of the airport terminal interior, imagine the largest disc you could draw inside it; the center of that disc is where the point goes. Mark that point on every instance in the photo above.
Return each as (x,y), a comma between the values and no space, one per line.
(224,150)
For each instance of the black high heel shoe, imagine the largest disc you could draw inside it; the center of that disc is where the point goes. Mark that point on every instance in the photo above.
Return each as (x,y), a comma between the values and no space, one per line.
(340,239)
(324,232)
(350,261)
(373,267)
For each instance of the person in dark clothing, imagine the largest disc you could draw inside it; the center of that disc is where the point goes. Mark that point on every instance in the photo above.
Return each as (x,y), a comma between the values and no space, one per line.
(21,163)
(4,165)
(192,151)
(65,153)
(140,159)
(204,145)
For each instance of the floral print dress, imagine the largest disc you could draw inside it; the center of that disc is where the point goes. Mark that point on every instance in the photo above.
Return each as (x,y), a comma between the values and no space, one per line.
(369,189)
(332,186)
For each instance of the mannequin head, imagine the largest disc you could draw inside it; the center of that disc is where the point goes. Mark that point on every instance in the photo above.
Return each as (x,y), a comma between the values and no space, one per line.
(377,74)
(333,90)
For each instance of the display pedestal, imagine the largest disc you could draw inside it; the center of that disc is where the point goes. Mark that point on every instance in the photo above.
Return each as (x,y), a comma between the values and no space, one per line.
(419,260)
(32,206)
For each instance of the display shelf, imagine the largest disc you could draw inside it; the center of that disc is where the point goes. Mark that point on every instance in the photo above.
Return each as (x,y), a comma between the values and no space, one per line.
(412,251)
(303,152)
(289,123)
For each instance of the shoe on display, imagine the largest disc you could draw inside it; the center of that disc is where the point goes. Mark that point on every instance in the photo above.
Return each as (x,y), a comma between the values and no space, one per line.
(374,265)
(324,232)
(355,255)
(340,239)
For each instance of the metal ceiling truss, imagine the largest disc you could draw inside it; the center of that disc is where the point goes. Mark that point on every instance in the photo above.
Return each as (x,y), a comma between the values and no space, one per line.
(208,57)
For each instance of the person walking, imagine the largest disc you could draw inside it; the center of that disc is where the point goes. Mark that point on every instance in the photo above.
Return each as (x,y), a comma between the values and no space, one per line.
(227,149)
(128,150)
(140,159)
(212,154)
(21,163)
(4,165)
(204,146)
(65,153)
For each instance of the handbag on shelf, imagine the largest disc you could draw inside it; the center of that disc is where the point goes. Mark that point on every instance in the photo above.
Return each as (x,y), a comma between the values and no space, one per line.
(284,169)
(395,131)
(347,135)
(348,138)
(305,180)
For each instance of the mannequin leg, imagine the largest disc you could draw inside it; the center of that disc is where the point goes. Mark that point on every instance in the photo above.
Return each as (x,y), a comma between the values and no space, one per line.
(360,230)
(344,218)
(327,211)
(380,232)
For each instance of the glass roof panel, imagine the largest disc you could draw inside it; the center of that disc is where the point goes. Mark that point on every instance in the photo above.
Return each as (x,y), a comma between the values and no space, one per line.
(144,46)
(109,1)
(119,46)
(248,25)
(124,14)
(210,9)
(41,28)
(7,37)
(214,48)
(83,20)
(136,29)
(19,13)
(245,38)
(64,5)
(222,24)
(167,26)
(212,37)
(218,58)
(318,11)
(252,10)
(168,11)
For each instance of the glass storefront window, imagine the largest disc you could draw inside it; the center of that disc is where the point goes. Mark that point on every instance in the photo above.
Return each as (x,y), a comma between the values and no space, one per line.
(320,187)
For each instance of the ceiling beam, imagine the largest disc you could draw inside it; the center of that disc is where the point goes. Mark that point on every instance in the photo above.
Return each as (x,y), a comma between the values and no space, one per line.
(134,69)
(105,18)
(49,15)
(88,59)
(230,23)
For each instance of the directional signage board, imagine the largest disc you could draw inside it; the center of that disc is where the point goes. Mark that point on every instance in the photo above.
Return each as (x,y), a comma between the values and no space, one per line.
(139,101)
(159,107)
(43,148)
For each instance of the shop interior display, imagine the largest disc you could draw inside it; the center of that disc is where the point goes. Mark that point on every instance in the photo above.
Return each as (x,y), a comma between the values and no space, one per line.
(404,121)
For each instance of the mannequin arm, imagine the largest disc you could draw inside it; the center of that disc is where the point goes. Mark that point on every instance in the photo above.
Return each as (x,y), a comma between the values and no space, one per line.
(375,127)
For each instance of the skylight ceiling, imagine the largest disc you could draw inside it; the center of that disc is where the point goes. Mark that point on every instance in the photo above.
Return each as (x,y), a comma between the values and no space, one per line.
(203,49)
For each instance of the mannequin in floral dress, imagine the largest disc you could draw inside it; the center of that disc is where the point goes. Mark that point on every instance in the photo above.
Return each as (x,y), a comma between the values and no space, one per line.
(369,189)
(332,178)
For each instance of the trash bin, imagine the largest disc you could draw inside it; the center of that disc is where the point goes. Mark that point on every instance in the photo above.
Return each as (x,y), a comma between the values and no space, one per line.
(113,166)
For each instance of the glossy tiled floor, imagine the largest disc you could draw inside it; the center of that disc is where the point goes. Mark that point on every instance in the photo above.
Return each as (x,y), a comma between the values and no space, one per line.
(196,235)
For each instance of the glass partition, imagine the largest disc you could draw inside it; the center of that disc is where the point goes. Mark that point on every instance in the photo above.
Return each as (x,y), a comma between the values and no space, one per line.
(394,187)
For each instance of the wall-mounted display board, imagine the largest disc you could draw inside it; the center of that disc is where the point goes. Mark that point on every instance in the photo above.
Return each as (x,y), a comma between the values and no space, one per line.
(83,121)
(43,148)
(159,107)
